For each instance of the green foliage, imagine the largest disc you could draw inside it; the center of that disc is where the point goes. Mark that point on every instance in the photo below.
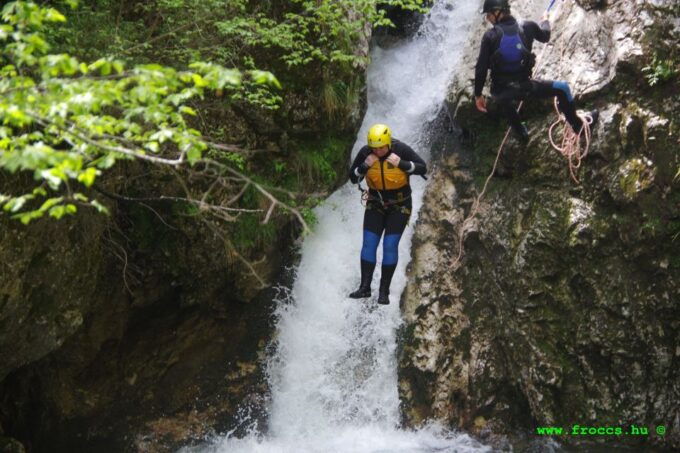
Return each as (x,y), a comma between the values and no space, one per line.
(660,70)
(298,33)
(660,42)
(325,31)
(308,211)
(315,165)
(252,233)
(67,121)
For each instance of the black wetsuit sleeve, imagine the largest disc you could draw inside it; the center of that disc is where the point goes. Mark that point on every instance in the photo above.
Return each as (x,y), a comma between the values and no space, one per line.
(411,162)
(539,32)
(484,61)
(358,169)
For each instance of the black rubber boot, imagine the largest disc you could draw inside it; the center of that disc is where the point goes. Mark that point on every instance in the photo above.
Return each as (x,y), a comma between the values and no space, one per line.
(364,290)
(385,281)
(362,293)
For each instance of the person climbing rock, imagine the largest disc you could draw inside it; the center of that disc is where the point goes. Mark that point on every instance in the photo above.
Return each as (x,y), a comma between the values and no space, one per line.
(386,164)
(506,51)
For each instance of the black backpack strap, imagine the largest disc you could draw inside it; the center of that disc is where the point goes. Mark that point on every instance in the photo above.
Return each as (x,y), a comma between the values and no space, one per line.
(530,56)
(499,37)
(522,36)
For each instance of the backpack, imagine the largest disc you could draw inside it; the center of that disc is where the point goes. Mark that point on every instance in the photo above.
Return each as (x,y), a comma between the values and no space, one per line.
(512,56)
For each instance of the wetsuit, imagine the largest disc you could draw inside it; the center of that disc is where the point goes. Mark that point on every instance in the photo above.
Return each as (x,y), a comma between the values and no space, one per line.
(511,84)
(388,207)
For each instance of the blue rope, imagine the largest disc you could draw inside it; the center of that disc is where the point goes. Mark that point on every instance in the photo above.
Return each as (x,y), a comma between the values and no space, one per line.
(552,3)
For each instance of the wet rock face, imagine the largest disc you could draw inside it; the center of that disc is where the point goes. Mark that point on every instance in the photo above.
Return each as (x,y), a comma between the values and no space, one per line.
(154,351)
(38,312)
(563,310)
(406,23)
(9,445)
(161,384)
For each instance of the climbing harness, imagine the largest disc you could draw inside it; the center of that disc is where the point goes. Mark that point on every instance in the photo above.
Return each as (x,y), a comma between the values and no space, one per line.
(570,148)
(366,197)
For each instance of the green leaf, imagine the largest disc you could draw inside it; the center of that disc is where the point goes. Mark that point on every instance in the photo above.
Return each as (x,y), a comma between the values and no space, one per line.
(15,204)
(49,203)
(152,146)
(26,217)
(99,207)
(16,117)
(118,67)
(87,177)
(52,15)
(265,78)
(187,110)
(193,155)
(57,212)
(198,80)
(53,180)
(5,31)
(105,162)
(40,191)
(106,68)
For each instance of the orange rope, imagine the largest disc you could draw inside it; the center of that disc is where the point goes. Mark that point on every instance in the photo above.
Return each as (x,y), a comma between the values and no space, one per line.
(570,147)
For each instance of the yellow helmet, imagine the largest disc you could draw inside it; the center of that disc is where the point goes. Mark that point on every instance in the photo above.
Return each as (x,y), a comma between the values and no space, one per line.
(379,135)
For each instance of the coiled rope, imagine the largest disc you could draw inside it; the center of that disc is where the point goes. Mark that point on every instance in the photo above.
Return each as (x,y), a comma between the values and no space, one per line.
(572,147)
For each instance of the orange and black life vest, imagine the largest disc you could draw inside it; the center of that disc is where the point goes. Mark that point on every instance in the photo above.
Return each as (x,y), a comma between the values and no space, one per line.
(384,180)
(382,175)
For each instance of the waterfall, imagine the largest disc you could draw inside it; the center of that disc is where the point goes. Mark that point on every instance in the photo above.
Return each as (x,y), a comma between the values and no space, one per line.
(333,375)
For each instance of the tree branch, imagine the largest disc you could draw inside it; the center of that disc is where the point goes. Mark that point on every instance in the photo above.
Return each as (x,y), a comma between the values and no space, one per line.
(140,154)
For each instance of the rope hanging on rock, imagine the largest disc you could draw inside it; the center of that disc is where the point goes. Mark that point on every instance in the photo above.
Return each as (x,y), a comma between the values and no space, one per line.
(574,147)
(476,203)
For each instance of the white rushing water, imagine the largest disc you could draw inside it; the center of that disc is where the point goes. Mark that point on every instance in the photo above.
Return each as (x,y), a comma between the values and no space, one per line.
(333,376)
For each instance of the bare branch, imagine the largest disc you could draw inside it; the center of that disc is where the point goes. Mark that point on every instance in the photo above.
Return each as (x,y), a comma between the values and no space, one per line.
(164,198)
(269,196)
(232,250)
(269,213)
(158,215)
(207,192)
(236,197)
(233,148)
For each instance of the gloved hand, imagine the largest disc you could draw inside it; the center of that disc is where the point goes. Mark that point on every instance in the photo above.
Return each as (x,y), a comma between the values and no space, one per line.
(370,160)
(394,159)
